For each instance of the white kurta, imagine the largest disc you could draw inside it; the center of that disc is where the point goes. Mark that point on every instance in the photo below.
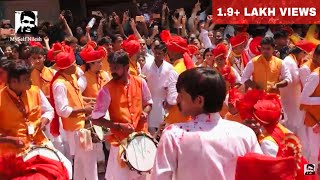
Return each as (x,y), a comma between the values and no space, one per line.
(290,97)
(82,159)
(157,80)
(205,148)
(313,139)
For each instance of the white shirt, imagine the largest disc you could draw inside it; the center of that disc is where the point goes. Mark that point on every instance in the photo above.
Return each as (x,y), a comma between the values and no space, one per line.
(47,110)
(205,148)
(157,80)
(290,95)
(304,73)
(308,90)
(249,69)
(104,99)
(236,74)
(82,82)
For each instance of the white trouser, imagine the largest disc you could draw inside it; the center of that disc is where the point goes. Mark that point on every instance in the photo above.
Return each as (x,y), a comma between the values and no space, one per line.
(116,172)
(85,162)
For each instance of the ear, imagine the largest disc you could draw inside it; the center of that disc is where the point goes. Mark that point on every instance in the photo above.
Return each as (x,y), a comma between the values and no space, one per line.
(200,100)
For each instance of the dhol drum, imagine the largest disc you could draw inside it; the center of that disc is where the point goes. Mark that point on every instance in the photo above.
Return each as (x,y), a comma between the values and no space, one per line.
(42,151)
(140,152)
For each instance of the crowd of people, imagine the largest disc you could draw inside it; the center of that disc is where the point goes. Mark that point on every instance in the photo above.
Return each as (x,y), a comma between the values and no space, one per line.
(225,101)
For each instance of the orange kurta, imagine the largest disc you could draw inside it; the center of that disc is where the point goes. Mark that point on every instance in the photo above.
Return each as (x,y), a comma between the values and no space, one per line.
(133,68)
(42,79)
(312,116)
(175,115)
(105,65)
(125,107)
(266,73)
(13,122)
(94,83)
(75,101)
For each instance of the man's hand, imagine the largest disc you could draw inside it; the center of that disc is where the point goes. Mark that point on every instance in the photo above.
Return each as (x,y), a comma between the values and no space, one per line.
(46,39)
(88,109)
(316,129)
(126,127)
(88,28)
(44,122)
(144,117)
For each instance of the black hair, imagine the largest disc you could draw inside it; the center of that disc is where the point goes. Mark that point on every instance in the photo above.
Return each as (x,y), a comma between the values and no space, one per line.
(115,37)
(280,34)
(119,57)
(37,50)
(317,50)
(27,13)
(4,64)
(268,41)
(204,82)
(162,47)
(18,68)
(205,51)
(104,41)
(295,50)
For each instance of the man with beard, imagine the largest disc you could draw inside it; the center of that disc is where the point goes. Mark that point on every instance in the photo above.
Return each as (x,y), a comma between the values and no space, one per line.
(128,100)
(28,23)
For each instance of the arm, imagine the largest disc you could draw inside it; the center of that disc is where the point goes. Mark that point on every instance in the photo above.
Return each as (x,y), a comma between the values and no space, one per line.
(146,97)
(165,164)
(62,104)
(304,73)
(117,20)
(134,28)
(67,29)
(47,111)
(204,38)
(100,29)
(184,29)
(308,90)
(247,73)
(46,42)
(82,81)
(100,109)
(172,94)
(88,33)
(285,76)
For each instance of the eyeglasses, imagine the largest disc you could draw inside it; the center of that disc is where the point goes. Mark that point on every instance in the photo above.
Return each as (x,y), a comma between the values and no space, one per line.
(27,21)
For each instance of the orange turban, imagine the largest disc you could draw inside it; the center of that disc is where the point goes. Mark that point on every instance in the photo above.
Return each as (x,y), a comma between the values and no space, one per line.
(237,40)
(306,46)
(90,55)
(220,50)
(131,45)
(254,45)
(179,45)
(57,48)
(65,59)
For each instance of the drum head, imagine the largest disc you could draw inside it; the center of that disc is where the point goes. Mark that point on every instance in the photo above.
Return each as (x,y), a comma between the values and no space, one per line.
(141,153)
(42,151)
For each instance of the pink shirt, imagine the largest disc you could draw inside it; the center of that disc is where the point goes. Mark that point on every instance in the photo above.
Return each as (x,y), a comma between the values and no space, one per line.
(205,148)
